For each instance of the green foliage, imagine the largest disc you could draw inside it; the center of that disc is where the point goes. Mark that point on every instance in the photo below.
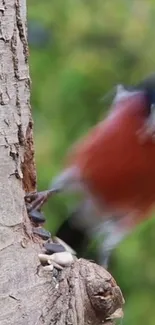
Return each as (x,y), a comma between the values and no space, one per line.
(94,45)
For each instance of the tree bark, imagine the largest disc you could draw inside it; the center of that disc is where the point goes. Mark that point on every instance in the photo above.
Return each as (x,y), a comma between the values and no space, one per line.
(82,294)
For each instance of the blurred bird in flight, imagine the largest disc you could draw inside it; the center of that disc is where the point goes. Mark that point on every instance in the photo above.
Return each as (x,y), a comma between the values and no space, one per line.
(113,167)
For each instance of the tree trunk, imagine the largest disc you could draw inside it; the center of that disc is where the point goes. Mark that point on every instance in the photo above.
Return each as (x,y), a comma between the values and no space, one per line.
(82,294)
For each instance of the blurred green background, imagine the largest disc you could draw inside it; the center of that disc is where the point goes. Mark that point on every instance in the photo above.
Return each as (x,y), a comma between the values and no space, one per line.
(79,50)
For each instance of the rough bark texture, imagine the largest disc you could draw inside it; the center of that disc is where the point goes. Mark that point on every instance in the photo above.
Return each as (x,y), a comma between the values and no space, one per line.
(85,293)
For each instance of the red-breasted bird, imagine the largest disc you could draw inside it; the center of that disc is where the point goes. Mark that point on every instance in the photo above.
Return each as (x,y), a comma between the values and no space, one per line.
(113,167)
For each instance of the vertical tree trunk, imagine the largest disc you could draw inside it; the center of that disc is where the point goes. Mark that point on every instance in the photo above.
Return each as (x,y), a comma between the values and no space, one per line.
(28,297)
